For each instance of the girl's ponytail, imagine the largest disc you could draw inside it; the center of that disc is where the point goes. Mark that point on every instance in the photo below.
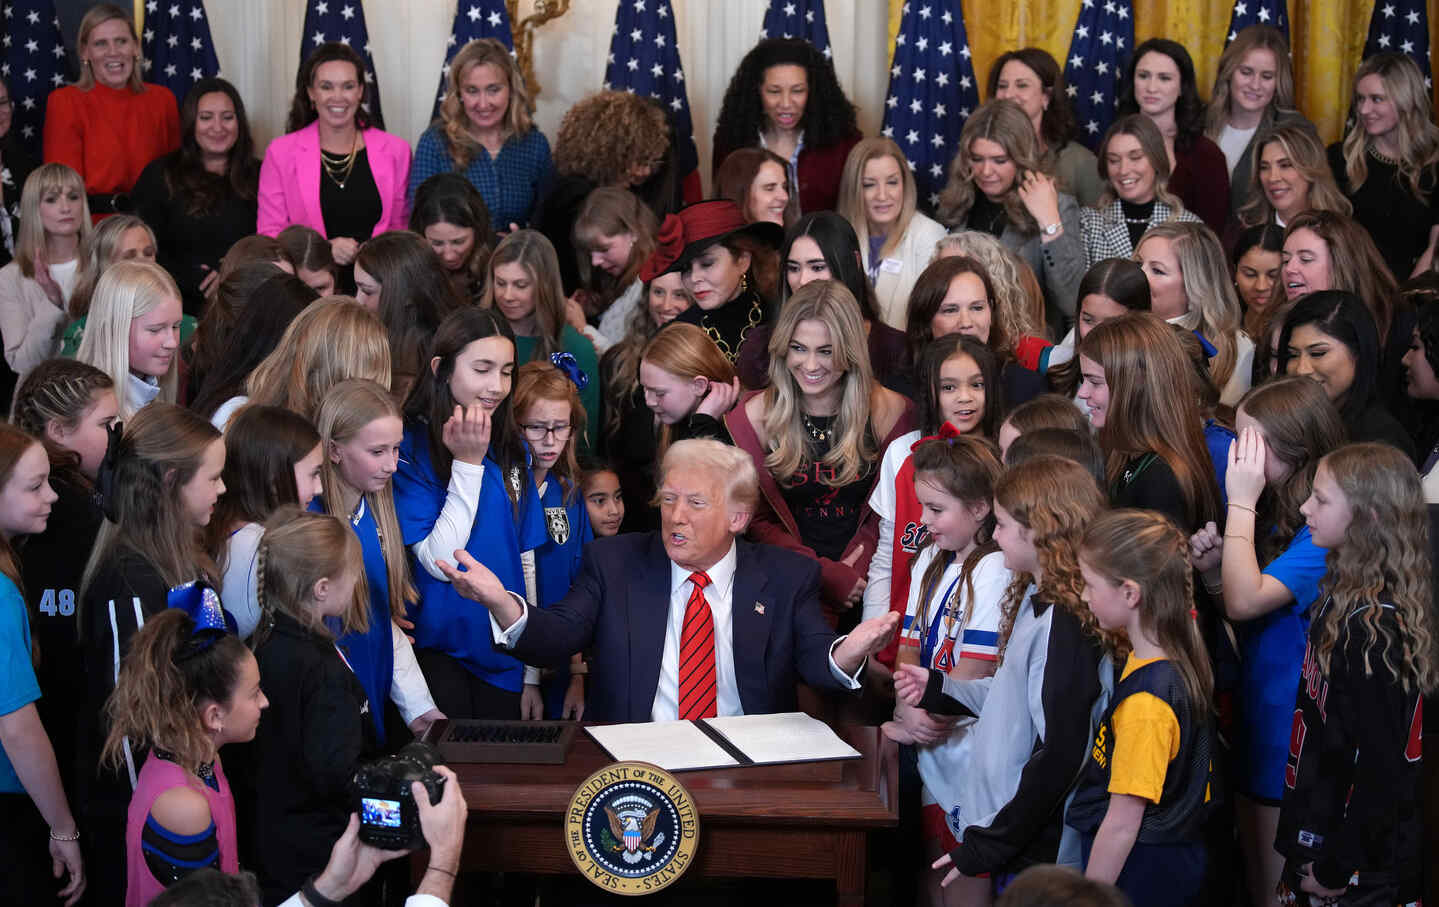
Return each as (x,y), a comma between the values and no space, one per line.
(173,668)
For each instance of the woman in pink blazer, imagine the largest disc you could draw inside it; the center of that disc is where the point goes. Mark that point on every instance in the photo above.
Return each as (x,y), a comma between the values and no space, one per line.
(332,171)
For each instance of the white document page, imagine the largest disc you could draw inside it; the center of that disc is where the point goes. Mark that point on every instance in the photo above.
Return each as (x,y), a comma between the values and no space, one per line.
(675,746)
(783,737)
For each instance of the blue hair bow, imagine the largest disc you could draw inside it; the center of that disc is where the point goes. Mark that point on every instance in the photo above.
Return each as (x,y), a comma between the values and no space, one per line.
(211,622)
(567,363)
(1209,349)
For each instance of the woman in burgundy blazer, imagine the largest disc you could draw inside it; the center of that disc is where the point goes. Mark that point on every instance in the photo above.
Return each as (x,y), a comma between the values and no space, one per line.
(334,171)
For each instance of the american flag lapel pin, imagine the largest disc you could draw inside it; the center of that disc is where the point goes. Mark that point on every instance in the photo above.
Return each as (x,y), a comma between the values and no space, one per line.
(759,607)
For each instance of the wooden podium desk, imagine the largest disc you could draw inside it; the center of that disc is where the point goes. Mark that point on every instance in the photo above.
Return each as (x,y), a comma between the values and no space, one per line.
(784,821)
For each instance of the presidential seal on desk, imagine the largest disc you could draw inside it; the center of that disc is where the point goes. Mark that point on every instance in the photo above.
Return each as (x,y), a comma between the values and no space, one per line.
(631,828)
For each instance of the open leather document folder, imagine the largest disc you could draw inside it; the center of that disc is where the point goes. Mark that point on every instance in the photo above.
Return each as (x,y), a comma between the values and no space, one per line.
(729,742)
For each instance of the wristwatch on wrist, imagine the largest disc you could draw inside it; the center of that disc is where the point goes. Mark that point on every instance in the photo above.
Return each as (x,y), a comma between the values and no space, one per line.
(1050,230)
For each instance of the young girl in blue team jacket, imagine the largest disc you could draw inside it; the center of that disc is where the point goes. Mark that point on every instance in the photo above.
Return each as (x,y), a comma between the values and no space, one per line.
(550,416)
(360,429)
(464,482)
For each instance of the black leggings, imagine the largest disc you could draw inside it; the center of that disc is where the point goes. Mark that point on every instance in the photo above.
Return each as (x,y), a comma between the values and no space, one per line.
(460,694)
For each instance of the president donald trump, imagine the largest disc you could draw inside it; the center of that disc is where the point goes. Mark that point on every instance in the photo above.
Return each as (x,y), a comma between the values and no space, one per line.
(691,622)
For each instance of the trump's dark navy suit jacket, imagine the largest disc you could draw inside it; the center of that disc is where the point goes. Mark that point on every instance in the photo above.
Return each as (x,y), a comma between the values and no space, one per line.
(618,609)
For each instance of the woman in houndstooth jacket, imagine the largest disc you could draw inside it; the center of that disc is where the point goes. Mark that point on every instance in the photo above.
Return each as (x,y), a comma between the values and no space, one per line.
(1135,169)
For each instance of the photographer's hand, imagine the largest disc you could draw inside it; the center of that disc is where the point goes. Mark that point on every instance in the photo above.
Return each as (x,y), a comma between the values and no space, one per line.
(443,825)
(352,863)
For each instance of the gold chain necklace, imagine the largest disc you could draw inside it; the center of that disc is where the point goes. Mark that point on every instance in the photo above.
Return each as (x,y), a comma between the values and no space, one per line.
(756,312)
(338,167)
(819,434)
(1382,158)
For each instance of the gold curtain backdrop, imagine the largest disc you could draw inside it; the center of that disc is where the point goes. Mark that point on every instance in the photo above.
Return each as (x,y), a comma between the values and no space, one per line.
(1327,37)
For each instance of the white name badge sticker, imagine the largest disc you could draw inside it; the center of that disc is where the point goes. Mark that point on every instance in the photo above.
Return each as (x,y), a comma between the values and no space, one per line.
(891,266)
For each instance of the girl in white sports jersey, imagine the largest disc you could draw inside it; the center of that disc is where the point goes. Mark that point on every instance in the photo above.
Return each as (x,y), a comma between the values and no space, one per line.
(952,618)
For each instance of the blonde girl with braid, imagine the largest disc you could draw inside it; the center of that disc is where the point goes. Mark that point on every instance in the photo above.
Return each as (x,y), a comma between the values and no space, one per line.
(69,406)
(311,579)
(1351,827)
(1146,785)
(360,430)
(1034,721)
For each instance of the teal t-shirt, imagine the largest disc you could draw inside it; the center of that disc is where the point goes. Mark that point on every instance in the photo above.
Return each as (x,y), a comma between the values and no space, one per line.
(18,686)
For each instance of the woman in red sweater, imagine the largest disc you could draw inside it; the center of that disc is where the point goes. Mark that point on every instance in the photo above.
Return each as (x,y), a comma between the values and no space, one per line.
(109,124)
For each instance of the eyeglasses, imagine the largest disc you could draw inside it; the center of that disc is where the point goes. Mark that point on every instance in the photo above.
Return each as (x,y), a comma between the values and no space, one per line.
(537,431)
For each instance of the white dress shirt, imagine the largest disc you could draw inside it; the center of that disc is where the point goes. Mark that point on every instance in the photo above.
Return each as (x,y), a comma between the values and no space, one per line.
(720,595)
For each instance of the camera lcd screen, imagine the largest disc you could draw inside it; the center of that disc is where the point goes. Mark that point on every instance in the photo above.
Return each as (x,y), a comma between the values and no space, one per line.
(384,813)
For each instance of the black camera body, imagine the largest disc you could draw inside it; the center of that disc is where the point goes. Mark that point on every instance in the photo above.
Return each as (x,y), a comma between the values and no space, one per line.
(380,793)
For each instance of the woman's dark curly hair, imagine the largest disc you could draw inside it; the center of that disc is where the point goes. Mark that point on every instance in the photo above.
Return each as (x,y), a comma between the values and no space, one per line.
(185,174)
(1188,110)
(828,114)
(1057,125)
(302,110)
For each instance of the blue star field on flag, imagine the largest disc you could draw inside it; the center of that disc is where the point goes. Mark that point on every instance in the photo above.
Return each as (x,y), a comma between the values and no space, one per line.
(176,44)
(932,90)
(33,65)
(1098,52)
(343,21)
(797,19)
(1257,12)
(645,59)
(474,19)
(1401,26)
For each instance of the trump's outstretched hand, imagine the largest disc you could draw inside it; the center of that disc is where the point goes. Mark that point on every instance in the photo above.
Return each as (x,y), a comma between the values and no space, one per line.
(474,581)
(868,638)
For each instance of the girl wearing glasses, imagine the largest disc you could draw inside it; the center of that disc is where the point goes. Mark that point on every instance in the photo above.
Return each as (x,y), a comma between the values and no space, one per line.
(546,404)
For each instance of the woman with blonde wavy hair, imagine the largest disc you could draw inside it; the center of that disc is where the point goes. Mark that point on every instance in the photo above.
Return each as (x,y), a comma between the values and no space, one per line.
(1388,162)
(1370,661)
(132,333)
(486,131)
(1189,285)
(1253,95)
(999,184)
(816,435)
(332,340)
(1289,176)
(877,195)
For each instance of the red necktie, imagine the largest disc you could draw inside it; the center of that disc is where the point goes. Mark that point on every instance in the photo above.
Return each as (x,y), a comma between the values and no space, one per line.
(697,654)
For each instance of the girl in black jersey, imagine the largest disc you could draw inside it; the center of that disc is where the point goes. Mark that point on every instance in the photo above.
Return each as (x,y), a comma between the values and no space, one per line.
(69,406)
(1351,827)
(1143,790)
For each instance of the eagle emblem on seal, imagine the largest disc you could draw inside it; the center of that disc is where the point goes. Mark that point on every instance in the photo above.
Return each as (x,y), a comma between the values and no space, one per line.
(632,829)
